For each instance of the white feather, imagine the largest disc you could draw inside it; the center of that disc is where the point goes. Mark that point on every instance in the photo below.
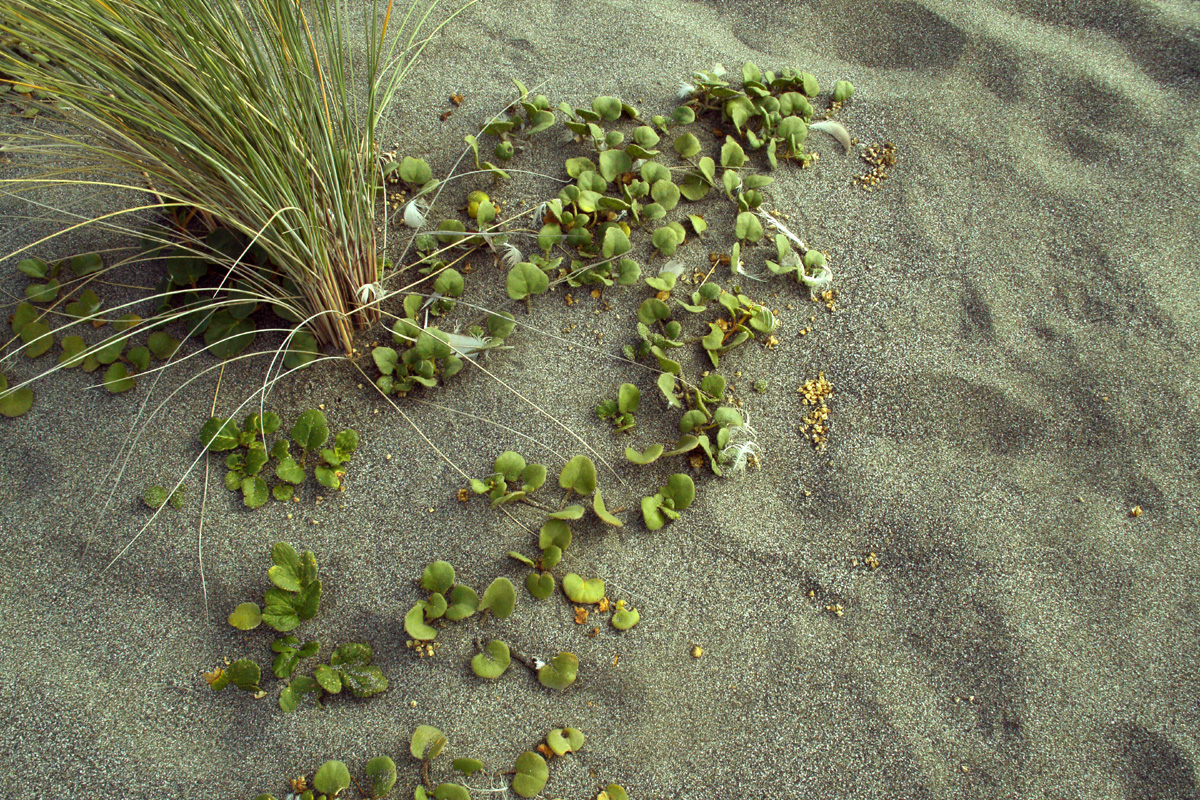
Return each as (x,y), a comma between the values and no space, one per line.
(835,130)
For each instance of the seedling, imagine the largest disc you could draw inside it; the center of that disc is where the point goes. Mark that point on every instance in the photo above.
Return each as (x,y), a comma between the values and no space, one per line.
(620,411)
(669,502)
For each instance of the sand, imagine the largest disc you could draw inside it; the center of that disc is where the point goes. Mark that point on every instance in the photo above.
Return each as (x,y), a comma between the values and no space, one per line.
(952,599)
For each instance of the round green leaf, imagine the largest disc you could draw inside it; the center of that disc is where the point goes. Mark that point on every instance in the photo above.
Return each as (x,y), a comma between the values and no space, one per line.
(246,617)
(117,378)
(556,532)
(560,672)
(681,490)
(581,591)
(331,778)
(381,772)
(493,663)
(531,774)
(438,577)
(414,624)
(427,742)
(15,402)
(625,618)
(310,431)
(686,145)
(579,474)
(541,585)
(500,597)
(526,279)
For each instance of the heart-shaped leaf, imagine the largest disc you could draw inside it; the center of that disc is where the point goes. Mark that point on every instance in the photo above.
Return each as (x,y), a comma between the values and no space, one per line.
(500,597)
(427,742)
(625,618)
(526,279)
(556,532)
(381,772)
(579,475)
(414,624)
(602,512)
(540,585)
(331,778)
(583,591)
(653,451)
(14,402)
(493,662)
(463,602)
(438,577)
(560,672)
(565,740)
(531,774)
(246,617)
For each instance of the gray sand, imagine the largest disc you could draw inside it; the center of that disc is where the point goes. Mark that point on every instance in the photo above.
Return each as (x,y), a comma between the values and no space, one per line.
(1014,363)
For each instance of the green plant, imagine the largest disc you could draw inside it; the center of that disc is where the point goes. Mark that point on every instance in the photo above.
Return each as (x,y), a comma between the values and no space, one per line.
(669,501)
(250,456)
(287,158)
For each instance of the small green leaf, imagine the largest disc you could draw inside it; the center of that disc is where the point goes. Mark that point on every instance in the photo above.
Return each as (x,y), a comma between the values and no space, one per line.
(415,171)
(414,624)
(559,673)
(510,464)
(463,603)
(285,569)
(570,512)
(581,591)
(42,292)
(117,378)
(245,675)
(493,663)
(427,742)
(467,766)
(748,227)
(651,453)
(540,585)
(381,772)
(35,268)
(438,577)
(331,778)
(681,490)
(602,512)
(154,496)
(531,774)
(625,618)
(565,740)
(302,350)
(614,163)
(500,597)
(555,532)
(686,145)
(526,279)
(86,264)
(579,475)
(289,470)
(246,617)
(310,431)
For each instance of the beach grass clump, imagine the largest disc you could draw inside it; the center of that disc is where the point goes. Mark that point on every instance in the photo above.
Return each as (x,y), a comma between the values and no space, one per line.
(258,118)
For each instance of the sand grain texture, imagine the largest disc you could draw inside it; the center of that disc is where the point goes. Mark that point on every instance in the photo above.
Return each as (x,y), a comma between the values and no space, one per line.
(1014,358)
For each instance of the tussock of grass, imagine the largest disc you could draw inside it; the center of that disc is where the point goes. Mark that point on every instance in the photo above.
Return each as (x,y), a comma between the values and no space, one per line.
(247,116)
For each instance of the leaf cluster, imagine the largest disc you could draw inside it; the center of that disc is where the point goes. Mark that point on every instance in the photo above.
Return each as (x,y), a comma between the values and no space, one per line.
(250,455)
